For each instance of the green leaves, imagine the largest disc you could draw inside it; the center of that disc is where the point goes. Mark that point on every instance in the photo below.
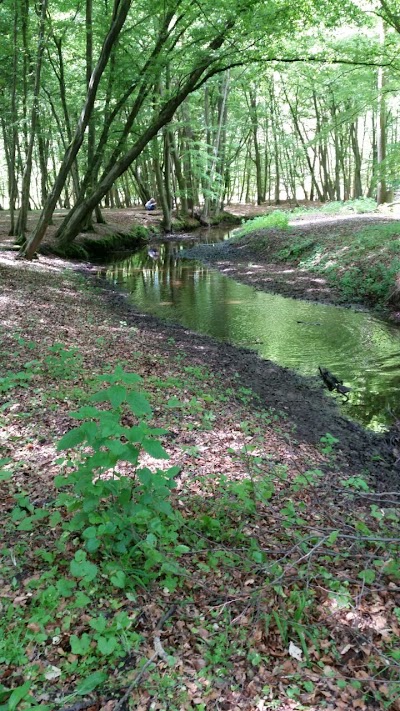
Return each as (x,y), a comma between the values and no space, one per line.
(80,567)
(90,683)
(139,404)
(72,439)
(115,513)
(155,449)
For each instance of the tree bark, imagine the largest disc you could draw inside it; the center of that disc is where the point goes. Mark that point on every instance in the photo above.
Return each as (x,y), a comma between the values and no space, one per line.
(26,179)
(120,12)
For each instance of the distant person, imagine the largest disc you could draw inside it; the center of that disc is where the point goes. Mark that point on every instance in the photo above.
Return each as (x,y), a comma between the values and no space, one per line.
(150,205)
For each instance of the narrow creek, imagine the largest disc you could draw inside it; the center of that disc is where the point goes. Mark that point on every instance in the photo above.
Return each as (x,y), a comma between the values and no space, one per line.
(357,347)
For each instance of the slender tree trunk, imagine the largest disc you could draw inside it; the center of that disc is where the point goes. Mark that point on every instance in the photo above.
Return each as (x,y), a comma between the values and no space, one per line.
(88,225)
(381,193)
(257,153)
(12,173)
(121,8)
(26,180)
(162,196)
(182,185)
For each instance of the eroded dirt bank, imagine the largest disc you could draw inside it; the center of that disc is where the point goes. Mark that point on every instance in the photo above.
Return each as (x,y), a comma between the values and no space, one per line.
(259,268)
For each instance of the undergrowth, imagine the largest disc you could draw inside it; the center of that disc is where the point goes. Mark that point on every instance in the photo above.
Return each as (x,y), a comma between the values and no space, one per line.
(258,572)
(273,220)
(364,265)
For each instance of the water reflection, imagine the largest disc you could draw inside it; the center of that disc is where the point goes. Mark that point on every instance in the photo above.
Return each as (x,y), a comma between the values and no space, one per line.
(359,349)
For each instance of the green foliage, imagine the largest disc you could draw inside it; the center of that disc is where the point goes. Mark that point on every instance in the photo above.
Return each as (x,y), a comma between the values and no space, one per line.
(359,206)
(13,380)
(364,266)
(328,443)
(117,505)
(296,249)
(63,362)
(374,283)
(273,220)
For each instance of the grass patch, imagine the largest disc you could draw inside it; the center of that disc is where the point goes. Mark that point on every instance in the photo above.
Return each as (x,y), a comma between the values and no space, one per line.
(364,265)
(274,220)
(339,207)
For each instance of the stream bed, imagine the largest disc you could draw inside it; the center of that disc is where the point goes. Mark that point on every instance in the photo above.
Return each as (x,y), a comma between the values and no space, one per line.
(359,348)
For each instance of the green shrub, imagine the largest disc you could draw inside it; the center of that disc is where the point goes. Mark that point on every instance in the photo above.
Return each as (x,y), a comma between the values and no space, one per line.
(124,521)
(374,283)
(359,206)
(295,250)
(274,220)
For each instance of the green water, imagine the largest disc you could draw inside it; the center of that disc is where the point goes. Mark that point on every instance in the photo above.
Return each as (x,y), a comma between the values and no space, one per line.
(357,347)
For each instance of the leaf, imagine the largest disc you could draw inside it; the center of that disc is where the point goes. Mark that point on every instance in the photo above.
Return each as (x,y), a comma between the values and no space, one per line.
(98,623)
(116,395)
(91,682)
(368,576)
(72,438)
(93,544)
(82,600)
(174,402)
(295,652)
(86,412)
(154,448)
(80,645)
(4,474)
(332,538)
(107,645)
(82,568)
(118,579)
(17,695)
(65,587)
(139,404)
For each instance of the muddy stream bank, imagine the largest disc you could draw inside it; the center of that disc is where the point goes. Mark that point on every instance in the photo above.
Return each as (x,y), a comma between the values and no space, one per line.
(149,291)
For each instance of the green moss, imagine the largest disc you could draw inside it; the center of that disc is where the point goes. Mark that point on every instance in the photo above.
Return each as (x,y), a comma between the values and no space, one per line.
(225,218)
(101,247)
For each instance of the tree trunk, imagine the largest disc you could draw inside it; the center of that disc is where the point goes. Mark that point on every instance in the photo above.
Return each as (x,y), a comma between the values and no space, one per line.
(257,154)
(381,193)
(26,180)
(121,8)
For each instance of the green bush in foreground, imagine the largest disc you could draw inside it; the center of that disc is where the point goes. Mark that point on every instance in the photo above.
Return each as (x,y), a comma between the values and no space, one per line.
(116,513)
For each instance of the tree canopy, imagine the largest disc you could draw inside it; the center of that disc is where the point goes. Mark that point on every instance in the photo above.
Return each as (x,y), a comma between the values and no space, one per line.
(198,102)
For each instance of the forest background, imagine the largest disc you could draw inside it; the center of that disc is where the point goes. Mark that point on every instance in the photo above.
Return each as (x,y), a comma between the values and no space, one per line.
(106,104)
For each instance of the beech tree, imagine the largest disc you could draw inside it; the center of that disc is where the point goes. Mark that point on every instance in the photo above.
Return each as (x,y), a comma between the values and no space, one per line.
(190,41)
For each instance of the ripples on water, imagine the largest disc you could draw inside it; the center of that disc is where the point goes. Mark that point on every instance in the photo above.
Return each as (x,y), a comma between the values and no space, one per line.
(360,349)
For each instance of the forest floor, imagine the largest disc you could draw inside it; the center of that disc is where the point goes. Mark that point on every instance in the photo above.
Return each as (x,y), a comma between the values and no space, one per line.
(275,582)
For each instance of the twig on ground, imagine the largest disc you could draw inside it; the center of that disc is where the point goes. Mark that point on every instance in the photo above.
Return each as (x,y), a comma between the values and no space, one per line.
(80,705)
(159,652)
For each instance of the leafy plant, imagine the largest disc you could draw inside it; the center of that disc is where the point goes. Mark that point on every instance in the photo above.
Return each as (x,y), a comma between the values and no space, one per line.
(118,507)
(273,220)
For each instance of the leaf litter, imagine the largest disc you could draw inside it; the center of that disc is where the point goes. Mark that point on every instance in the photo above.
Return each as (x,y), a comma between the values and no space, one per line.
(276,610)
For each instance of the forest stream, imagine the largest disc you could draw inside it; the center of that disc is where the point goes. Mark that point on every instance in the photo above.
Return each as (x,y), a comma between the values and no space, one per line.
(359,348)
